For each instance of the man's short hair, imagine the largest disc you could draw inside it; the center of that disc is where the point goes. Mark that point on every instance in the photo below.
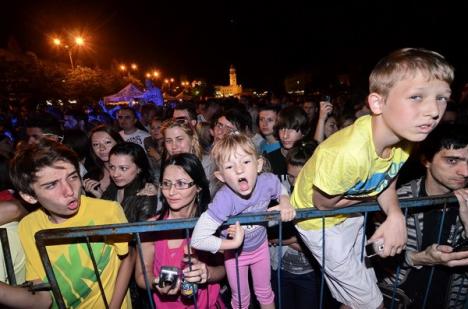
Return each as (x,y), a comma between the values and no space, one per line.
(444,136)
(48,124)
(407,62)
(189,108)
(128,108)
(30,159)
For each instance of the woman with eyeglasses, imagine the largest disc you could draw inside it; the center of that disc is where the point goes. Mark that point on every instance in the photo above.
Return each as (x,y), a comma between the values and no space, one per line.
(181,137)
(185,195)
(101,140)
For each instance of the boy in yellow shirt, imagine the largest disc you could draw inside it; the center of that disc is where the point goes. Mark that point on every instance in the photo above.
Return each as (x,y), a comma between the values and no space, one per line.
(409,90)
(48,174)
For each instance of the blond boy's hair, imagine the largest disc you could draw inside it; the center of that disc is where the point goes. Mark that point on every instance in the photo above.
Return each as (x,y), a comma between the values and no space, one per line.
(225,148)
(187,128)
(407,62)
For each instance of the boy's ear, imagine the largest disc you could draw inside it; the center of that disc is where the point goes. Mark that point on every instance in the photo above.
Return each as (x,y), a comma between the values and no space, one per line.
(376,102)
(259,164)
(28,198)
(219,175)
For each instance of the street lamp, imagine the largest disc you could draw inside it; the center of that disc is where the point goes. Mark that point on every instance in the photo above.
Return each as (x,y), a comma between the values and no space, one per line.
(78,41)
(132,67)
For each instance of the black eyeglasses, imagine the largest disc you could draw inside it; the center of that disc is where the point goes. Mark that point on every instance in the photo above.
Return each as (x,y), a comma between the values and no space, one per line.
(178,184)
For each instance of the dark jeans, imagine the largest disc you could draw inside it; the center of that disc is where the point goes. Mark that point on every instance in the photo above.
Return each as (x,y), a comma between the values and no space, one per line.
(297,291)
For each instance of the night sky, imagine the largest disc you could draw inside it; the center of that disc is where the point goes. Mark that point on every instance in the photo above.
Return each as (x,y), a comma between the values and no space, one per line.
(265,41)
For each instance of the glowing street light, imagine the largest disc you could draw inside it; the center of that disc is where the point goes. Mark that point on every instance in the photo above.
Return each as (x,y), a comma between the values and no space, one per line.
(79,41)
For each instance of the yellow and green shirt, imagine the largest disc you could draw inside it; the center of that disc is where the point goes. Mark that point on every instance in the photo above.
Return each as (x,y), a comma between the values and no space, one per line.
(346,164)
(71,263)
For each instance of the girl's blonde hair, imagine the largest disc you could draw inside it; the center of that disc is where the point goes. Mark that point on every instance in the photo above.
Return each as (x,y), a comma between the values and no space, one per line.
(187,128)
(225,148)
(408,62)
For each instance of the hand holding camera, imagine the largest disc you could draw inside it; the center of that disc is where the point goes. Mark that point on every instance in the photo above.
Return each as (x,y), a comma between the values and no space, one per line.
(197,273)
(168,281)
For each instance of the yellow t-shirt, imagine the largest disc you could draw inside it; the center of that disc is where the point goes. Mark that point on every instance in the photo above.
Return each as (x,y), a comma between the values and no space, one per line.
(72,265)
(346,164)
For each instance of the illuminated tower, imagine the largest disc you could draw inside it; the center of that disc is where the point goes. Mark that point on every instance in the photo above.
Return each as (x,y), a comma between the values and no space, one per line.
(232,76)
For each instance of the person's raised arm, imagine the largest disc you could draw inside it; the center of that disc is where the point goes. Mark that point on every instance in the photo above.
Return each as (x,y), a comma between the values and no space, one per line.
(203,235)
(326,108)
(19,297)
(123,279)
(323,201)
(147,249)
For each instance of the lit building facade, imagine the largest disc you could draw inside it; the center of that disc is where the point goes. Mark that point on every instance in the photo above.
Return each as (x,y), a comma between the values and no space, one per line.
(233,90)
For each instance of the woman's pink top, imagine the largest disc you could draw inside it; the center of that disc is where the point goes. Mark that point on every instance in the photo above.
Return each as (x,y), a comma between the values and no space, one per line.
(208,294)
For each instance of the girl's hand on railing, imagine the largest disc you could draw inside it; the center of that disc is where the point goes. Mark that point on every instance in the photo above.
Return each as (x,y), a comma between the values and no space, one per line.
(237,233)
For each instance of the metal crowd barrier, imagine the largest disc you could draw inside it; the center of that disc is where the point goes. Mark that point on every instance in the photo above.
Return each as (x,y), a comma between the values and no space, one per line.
(7,256)
(84,234)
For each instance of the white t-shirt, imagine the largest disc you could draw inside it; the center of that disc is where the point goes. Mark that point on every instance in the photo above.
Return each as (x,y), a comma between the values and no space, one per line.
(136,137)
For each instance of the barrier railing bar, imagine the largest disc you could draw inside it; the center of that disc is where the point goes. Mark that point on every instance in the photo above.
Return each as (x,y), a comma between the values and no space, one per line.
(439,237)
(177,224)
(397,274)
(363,241)
(280,260)
(7,256)
(41,247)
(187,237)
(145,275)
(45,236)
(96,272)
(322,280)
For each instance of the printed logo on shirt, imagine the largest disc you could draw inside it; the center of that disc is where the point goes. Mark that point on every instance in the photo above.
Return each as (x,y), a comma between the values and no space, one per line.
(75,273)
(376,183)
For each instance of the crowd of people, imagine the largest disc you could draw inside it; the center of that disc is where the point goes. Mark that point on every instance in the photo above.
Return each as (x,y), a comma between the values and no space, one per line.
(213,160)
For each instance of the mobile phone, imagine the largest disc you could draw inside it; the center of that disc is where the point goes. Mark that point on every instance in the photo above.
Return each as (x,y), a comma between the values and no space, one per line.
(461,246)
(374,248)
(326,98)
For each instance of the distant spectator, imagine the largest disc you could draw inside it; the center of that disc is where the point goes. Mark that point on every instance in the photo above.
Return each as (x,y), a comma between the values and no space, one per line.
(101,140)
(42,125)
(128,122)
(185,111)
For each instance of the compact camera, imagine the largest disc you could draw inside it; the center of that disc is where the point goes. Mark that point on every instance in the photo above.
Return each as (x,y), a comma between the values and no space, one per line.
(168,276)
(374,248)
